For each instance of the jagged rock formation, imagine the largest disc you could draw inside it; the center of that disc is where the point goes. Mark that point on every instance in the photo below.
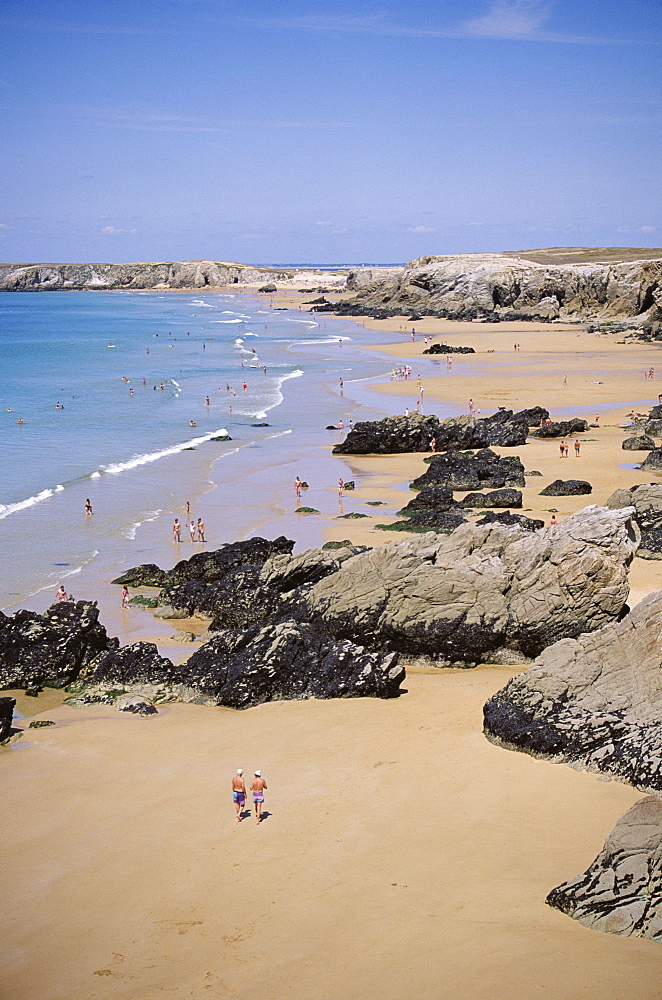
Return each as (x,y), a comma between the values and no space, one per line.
(448,349)
(482,470)
(401,434)
(621,892)
(567,488)
(642,443)
(562,428)
(505,517)
(647,502)
(594,701)
(7,706)
(653,460)
(495,286)
(50,649)
(483,592)
(160,275)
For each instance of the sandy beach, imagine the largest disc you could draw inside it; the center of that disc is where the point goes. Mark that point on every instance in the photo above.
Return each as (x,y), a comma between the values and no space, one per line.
(403,854)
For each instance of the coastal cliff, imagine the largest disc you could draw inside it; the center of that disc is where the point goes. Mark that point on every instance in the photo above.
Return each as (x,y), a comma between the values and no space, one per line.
(159,275)
(503,286)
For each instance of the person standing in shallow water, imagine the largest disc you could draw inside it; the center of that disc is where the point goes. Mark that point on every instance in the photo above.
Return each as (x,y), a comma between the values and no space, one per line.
(176,531)
(239,793)
(258,788)
(201,529)
(88,506)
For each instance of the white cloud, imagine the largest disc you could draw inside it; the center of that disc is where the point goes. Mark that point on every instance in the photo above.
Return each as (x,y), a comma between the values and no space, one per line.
(637,229)
(112,231)
(323,223)
(510,19)
(421,229)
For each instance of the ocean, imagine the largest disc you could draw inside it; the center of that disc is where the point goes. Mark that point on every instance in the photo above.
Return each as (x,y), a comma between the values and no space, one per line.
(108,386)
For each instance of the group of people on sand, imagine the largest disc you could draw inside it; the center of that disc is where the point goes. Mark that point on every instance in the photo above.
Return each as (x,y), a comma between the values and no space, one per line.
(564,449)
(196,530)
(258,788)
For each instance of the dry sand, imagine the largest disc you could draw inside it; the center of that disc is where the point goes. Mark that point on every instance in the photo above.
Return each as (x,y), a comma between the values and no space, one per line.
(403,854)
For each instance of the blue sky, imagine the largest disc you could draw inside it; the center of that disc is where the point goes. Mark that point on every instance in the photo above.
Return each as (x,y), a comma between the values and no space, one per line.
(300,131)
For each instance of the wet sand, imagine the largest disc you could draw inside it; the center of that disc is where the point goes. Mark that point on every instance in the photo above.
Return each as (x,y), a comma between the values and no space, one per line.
(402,856)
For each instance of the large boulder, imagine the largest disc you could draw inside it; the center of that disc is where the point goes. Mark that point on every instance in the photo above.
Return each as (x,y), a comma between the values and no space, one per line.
(653,427)
(448,349)
(482,470)
(642,443)
(484,592)
(594,701)
(562,428)
(50,649)
(621,892)
(505,517)
(431,498)
(495,498)
(289,660)
(567,488)
(653,460)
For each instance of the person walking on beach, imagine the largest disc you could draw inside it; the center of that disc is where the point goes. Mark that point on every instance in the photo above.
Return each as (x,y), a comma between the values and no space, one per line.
(176,531)
(297,486)
(577,448)
(187,505)
(201,529)
(88,507)
(342,386)
(258,787)
(341,486)
(239,793)
(562,449)
(125,596)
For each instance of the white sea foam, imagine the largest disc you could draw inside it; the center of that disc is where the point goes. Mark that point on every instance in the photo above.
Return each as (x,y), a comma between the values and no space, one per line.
(13,508)
(131,531)
(137,460)
(201,304)
(227,321)
(95,475)
(308,322)
(172,382)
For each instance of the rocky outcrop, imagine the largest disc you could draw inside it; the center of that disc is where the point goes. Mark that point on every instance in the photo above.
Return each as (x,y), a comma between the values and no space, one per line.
(653,460)
(197,274)
(621,892)
(401,434)
(7,706)
(431,498)
(50,649)
(495,498)
(497,286)
(643,443)
(594,701)
(567,488)
(505,517)
(482,470)
(647,502)
(562,428)
(448,349)
(289,660)
(484,592)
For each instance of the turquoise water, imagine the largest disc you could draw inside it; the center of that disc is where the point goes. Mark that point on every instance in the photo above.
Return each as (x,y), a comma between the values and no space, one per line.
(122,436)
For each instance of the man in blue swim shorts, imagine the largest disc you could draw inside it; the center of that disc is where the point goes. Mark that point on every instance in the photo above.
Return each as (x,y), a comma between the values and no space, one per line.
(239,793)
(258,786)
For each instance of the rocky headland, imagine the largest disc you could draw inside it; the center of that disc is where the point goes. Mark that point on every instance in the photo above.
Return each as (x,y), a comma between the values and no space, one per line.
(509,287)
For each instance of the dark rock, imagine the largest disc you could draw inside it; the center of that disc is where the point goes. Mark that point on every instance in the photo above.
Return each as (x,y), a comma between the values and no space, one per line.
(496,498)
(345,544)
(638,444)
(531,416)
(306,510)
(653,460)
(656,413)
(267,288)
(289,660)
(533,472)
(567,488)
(50,649)
(261,425)
(651,427)
(7,706)
(350,485)
(136,706)
(447,349)
(483,470)
(390,436)
(621,892)
(221,437)
(562,428)
(353,516)
(505,517)
(431,498)
(40,724)
(207,566)
(647,502)
(139,663)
